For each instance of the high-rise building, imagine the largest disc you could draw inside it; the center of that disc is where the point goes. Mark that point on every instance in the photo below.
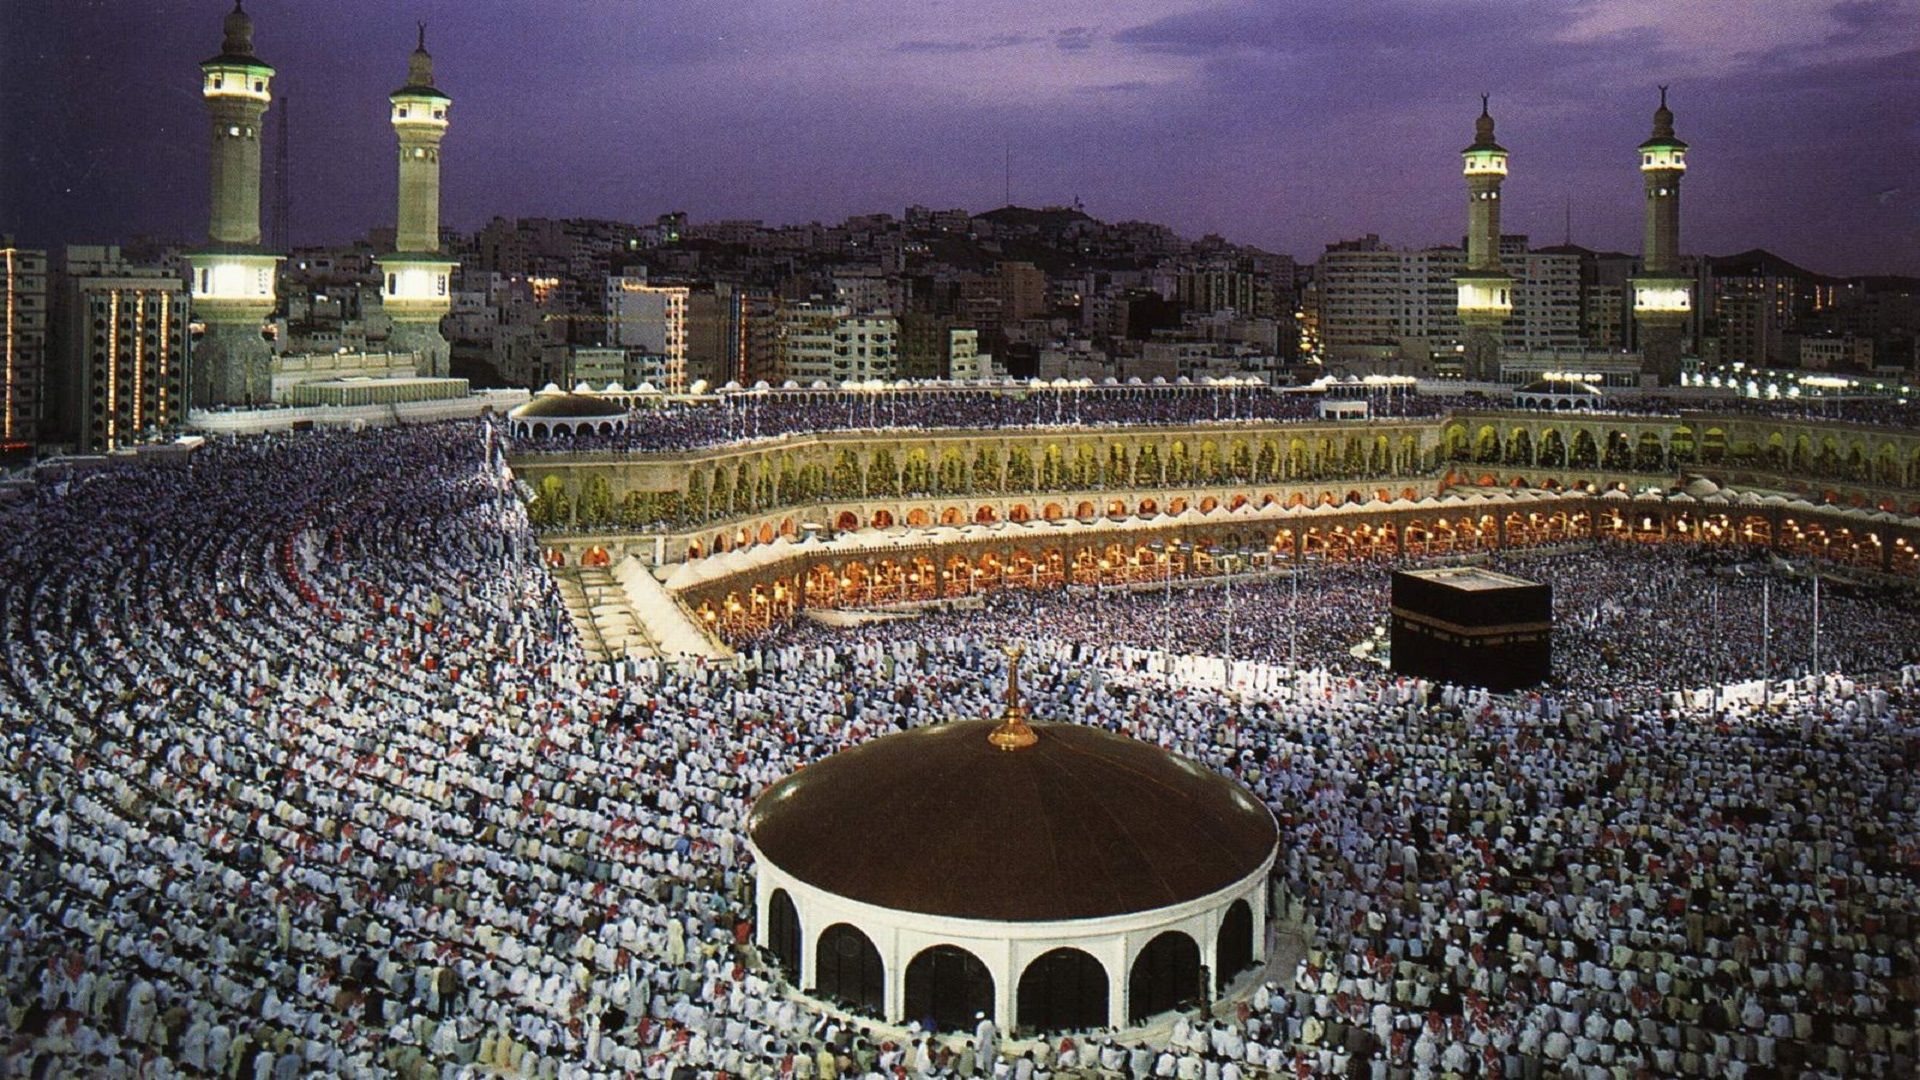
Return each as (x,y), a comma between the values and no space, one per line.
(1662,295)
(1546,299)
(124,348)
(232,277)
(932,346)
(1485,289)
(1376,302)
(751,341)
(23,345)
(806,338)
(653,319)
(416,289)
(866,346)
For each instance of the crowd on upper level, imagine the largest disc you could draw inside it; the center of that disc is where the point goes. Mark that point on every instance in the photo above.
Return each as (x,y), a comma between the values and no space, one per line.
(745,416)
(306,775)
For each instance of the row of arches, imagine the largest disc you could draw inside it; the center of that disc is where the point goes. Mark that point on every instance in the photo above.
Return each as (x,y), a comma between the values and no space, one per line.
(757,482)
(719,487)
(933,574)
(1062,989)
(1815,453)
(936,572)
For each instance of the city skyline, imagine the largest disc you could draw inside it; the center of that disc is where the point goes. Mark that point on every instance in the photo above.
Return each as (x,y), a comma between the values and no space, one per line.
(801,114)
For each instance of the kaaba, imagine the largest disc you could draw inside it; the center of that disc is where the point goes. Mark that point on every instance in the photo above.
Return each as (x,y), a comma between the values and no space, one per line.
(1472,626)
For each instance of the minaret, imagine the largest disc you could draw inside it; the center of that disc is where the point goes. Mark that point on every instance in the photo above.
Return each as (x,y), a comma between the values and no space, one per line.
(1662,294)
(416,287)
(232,286)
(1485,291)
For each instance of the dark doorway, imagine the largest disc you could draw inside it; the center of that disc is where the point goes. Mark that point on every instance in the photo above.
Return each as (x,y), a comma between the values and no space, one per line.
(783,934)
(1166,975)
(1233,948)
(948,985)
(847,970)
(1063,990)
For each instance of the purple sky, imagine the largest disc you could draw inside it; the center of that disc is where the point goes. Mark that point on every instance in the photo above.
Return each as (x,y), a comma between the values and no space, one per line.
(1283,123)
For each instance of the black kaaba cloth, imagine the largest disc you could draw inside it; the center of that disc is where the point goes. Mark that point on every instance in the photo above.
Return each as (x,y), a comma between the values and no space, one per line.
(1472,626)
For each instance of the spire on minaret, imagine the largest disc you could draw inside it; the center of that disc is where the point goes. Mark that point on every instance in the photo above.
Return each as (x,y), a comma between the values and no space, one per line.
(420,64)
(239,32)
(1663,136)
(1483,128)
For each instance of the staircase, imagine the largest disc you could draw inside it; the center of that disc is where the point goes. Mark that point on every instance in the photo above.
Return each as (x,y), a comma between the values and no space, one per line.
(615,623)
(599,609)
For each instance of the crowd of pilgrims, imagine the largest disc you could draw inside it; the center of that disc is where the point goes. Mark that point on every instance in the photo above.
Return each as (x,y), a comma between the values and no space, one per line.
(306,776)
(736,417)
(1630,618)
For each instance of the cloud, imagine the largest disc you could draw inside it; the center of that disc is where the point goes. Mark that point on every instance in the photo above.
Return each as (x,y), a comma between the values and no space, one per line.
(998,41)
(1074,39)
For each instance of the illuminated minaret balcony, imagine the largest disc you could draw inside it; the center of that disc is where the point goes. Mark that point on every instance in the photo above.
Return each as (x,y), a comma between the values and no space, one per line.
(1484,300)
(1667,155)
(1656,296)
(1479,161)
(236,77)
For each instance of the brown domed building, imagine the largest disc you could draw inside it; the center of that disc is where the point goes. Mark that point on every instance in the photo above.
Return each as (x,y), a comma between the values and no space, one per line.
(555,412)
(1052,876)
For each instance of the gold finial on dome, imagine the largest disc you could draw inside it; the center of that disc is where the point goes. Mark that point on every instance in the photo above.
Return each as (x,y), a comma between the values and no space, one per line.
(1013,733)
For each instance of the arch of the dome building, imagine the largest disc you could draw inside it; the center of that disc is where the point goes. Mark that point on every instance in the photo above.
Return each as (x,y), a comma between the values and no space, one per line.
(1233,945)
(848,521)
(1065,989)
(882,519)
(1165,976)
(918,517)
(947,985)
(786,940)
(847,970)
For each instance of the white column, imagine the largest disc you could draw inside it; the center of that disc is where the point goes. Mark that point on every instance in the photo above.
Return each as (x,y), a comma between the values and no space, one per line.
(894,975)
(1117,960)
(1257,900)
(1006,985)
(1209,940)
